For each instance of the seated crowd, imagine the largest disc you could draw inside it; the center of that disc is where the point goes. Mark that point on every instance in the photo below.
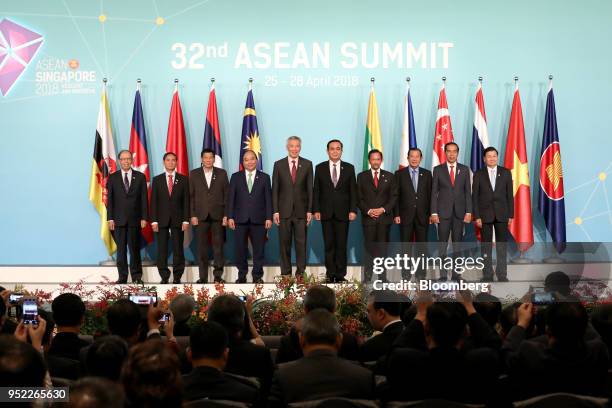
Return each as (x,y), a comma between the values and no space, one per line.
(468,349)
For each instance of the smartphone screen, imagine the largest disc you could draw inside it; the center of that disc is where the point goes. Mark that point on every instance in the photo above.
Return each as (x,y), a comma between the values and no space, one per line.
(14,298)
(144,299)
(30,311)
(165,317)
(542,298)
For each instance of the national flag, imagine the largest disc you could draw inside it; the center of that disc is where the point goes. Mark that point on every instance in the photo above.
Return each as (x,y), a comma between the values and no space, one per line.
(373,137)
(176,142)
(480,134)
(140,158)
(515,160)
(552,202)
(250,139)
(104,163)
(212,136)
(408,132)
(444,130)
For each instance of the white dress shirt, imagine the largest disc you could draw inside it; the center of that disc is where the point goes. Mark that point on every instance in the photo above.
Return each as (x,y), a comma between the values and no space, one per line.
(208,175)
(291,160)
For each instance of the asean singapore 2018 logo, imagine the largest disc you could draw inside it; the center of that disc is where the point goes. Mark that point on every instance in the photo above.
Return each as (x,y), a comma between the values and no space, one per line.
(18,47)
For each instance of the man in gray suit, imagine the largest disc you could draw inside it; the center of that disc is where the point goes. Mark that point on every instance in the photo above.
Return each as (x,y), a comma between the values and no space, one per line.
(292,204)
(451,201)
(208,189)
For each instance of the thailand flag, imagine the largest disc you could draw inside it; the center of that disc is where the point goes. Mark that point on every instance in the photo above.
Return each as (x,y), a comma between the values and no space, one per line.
(212,136)
(138,147)
(480,134)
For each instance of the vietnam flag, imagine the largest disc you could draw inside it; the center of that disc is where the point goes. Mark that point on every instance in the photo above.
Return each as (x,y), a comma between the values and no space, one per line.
(515,160)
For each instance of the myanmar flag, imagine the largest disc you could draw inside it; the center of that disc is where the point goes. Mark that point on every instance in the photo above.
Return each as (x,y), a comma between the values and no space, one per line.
(373,138)
(103,164)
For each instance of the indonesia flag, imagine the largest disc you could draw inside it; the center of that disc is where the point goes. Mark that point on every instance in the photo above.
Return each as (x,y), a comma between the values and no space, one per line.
(444,130)
(408,132)
(212,136)
(480,134)
(138,147)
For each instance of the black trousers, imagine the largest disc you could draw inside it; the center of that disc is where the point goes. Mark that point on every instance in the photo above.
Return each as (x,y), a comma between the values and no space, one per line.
(178,254)
(215,228)
(128,237)
(375,236)
(292,229)
(257,233)
(335,237)
(486,248)
(408,230)
(450,227)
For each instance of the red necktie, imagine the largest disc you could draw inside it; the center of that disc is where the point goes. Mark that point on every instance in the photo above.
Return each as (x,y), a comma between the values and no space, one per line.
(452,175)
(293,172)
(170,184)
(375,179)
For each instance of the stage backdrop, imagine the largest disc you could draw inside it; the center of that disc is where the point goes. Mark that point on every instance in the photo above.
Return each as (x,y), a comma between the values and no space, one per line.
(311,63)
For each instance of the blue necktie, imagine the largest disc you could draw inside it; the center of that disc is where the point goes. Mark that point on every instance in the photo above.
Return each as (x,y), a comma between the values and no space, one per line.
(414,179)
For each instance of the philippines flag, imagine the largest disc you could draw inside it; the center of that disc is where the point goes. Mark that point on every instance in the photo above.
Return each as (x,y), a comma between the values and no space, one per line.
(138,147)
(408,132)
(480,134)
(552,202)
(444,130)
(250,134)
(212,136)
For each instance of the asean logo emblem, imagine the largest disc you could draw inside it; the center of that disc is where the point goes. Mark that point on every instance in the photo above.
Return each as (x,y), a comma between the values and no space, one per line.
(551,173)
(18,46)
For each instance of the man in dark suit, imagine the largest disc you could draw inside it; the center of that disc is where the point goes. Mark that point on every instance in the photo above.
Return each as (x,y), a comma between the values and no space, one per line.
(69,315)
(208,352)
(335,204)
(451,201)
(384,310)
(493,205)
(413,205)
(127,208)
(250,215)
(320,373)
(208,189)
(376,198)
(170,217)
(292,204)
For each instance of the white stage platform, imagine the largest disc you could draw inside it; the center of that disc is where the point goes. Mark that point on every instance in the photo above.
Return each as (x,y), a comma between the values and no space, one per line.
(48,278)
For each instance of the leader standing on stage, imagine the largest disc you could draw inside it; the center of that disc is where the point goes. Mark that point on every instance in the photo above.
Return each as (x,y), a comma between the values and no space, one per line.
(292,204)
(170,217)
(335,204)
(493,203)
(126,214)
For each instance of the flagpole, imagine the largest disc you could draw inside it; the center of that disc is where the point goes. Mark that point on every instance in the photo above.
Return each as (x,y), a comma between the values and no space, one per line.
(443,82)
(250,84)
(138,81)
(110,261)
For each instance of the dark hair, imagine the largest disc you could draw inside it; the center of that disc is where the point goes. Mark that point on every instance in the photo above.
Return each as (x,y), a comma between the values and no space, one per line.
(388,300)
(415,149)
(447,322)
(124,151)
(601,318)
(208,339)
(320,327)
(123,318)
(106,356)
(248,151)
(2,310)
(508,317)
(182,306)
(451,143)
(557,282)
(335,141)
(47,337)
(319,296)
(170,154)
(228,311)
(489,149)
(93,392)
(20,364)
(68,310)
(374,151)
(489,307)
(207,150)
(567,321)
(151,376)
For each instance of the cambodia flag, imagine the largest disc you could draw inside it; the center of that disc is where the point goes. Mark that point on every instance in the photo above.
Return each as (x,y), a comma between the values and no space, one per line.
(250,133)
(515,160)
(138,147)
(444,130)
(552,202)
(212,136)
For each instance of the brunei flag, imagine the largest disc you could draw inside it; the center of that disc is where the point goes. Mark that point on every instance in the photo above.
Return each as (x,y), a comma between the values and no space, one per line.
(103,164)
(373,137)
(212,135)
(250,133)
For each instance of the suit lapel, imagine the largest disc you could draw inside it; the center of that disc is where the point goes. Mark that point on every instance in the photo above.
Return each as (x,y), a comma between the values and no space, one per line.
(203,177)
(213,177)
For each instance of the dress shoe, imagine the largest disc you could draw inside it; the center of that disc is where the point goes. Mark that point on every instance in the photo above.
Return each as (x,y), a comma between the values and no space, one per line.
(176,281)
(121,282)
(258,280)
(138,282)
(502,279)
(241,280)
(219,280)
(340,280)
(201,281)
(163,282)
(330,280)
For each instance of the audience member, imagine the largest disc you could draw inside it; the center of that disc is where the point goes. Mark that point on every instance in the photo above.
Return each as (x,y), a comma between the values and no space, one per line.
(69,314)
(21,364)
(94,392)
(124,320)
(182,307)
(384,310)
(105,357)
(489,307)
